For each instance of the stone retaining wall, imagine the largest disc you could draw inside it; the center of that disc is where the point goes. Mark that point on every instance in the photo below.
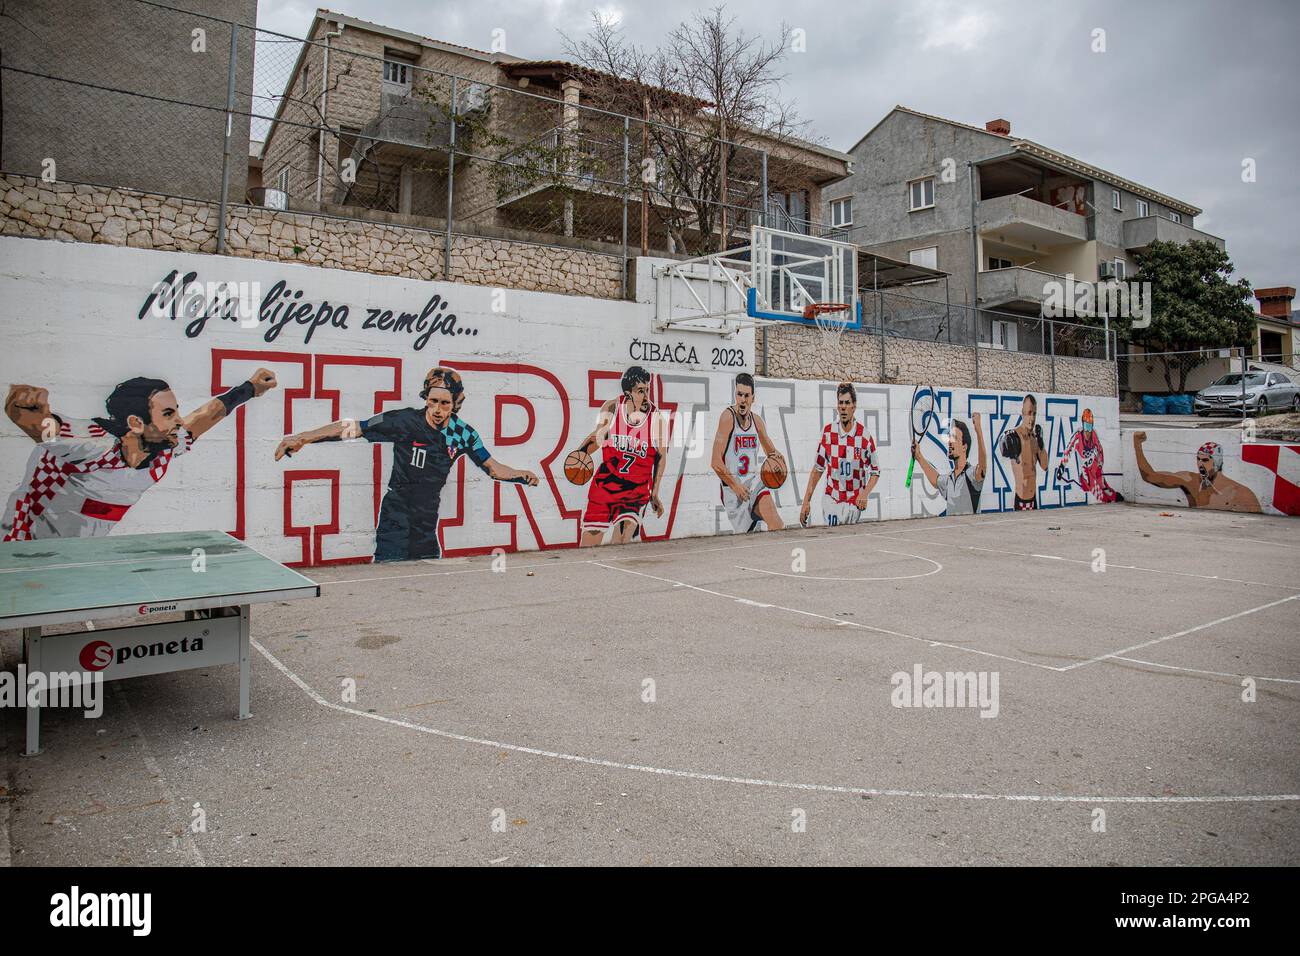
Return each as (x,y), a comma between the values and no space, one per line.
(798,352)
(79,213)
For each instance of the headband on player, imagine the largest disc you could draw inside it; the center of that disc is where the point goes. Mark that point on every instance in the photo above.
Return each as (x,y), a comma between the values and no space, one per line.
(450,380)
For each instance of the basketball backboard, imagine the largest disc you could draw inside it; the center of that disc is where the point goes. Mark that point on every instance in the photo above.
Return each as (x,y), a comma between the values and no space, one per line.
(779,277)
(793,274)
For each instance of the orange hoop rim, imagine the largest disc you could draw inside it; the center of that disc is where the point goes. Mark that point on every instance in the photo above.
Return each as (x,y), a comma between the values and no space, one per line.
(815,309)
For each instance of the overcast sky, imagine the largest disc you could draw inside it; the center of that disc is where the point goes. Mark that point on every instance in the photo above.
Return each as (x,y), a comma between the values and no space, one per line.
(1182,95)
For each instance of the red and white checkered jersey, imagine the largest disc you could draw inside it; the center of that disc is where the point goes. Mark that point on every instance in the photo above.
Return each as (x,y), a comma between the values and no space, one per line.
(79,485)
(848,459)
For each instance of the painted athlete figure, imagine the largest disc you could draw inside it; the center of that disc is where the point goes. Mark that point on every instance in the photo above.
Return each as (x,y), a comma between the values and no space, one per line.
(425,444)
(1024,446)
(1087,446)
(847,456)
(632,439)
(83,476)
(740,434)
(1207,487)
(962,485)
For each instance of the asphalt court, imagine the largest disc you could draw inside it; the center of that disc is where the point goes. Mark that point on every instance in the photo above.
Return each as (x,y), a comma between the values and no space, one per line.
(605,696)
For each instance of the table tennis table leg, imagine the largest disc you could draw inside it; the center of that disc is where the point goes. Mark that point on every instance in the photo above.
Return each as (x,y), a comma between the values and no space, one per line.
(245,666)
(32,655)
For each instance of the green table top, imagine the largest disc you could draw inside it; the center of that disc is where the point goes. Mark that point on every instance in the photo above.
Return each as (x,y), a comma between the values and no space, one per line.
(77,579)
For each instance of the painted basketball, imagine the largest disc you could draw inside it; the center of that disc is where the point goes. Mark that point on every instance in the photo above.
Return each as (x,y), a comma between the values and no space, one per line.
(773,472)
(578,467)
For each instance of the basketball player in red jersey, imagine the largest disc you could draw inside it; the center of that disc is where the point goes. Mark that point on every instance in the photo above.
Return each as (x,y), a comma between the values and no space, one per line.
(631,436)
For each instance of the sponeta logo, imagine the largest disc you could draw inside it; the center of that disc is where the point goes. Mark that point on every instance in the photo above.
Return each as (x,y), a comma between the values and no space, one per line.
(96,655)
(156,608)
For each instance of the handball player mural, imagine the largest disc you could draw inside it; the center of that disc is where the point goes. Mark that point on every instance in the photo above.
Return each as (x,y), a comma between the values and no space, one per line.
(380,418)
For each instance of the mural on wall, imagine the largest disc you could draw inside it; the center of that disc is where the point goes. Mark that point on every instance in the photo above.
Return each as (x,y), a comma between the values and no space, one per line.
(633,440)
(846,455)
(426,442)
(83,476)
(1206,487)
(1282,463)
(746,485)
(340,361)
(1083,462)
(962,484)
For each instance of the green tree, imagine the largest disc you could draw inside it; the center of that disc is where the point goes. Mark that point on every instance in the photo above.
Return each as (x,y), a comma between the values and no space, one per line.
(1194,305)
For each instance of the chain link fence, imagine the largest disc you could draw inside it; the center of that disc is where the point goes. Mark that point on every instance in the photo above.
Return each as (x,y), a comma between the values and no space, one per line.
(1214,381)
(362,126)
(894,315)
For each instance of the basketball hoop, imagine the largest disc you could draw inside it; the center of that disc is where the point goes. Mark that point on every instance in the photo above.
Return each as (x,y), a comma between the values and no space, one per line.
(831,319)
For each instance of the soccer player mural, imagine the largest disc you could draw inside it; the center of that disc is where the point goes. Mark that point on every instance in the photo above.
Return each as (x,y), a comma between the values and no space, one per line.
(84,475)
(425,444)
(847,456)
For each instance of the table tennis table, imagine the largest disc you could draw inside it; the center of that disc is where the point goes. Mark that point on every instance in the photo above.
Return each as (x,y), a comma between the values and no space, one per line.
(207,577)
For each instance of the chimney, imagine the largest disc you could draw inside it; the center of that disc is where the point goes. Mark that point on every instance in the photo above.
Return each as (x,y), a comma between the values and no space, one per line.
(1000,126)
(1276,302)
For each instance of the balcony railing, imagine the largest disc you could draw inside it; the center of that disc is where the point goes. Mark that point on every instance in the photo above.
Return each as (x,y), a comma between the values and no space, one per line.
(1140,233)
(1019,284)
(1029,219)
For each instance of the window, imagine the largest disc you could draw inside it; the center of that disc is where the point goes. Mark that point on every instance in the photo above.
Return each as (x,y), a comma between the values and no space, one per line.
(1116,202)
(282,180)
(842,212)
(922,193)
(397,73)
(1175,217)
(1004,335)
(996,263)
(928,257)
(1144,209)
(1120,269)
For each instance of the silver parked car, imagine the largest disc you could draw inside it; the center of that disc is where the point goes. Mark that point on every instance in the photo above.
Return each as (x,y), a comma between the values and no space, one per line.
(1265,392)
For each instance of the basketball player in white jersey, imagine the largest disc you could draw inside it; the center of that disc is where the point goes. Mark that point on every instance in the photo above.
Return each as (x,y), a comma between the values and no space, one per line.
(847,456)
(83,476)
(741,433)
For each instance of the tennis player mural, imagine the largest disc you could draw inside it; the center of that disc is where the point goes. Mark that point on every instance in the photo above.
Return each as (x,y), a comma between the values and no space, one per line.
(962,483)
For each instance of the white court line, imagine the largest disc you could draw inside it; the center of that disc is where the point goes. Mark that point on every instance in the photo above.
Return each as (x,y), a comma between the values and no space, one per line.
(1056,557)
(812,577)
(759,781)
(838,622)
(1183,633)
(1193,670)
(186,842)
(838,537)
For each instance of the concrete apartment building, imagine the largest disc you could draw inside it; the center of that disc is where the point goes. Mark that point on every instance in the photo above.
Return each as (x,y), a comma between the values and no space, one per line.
(102,137)
(1037,215)
(387,90)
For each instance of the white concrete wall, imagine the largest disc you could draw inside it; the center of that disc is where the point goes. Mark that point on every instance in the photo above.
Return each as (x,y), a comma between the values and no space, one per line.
(536,366)
(1271,471)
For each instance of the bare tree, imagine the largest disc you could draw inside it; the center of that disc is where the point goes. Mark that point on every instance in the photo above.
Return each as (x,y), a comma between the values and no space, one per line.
(709,102)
